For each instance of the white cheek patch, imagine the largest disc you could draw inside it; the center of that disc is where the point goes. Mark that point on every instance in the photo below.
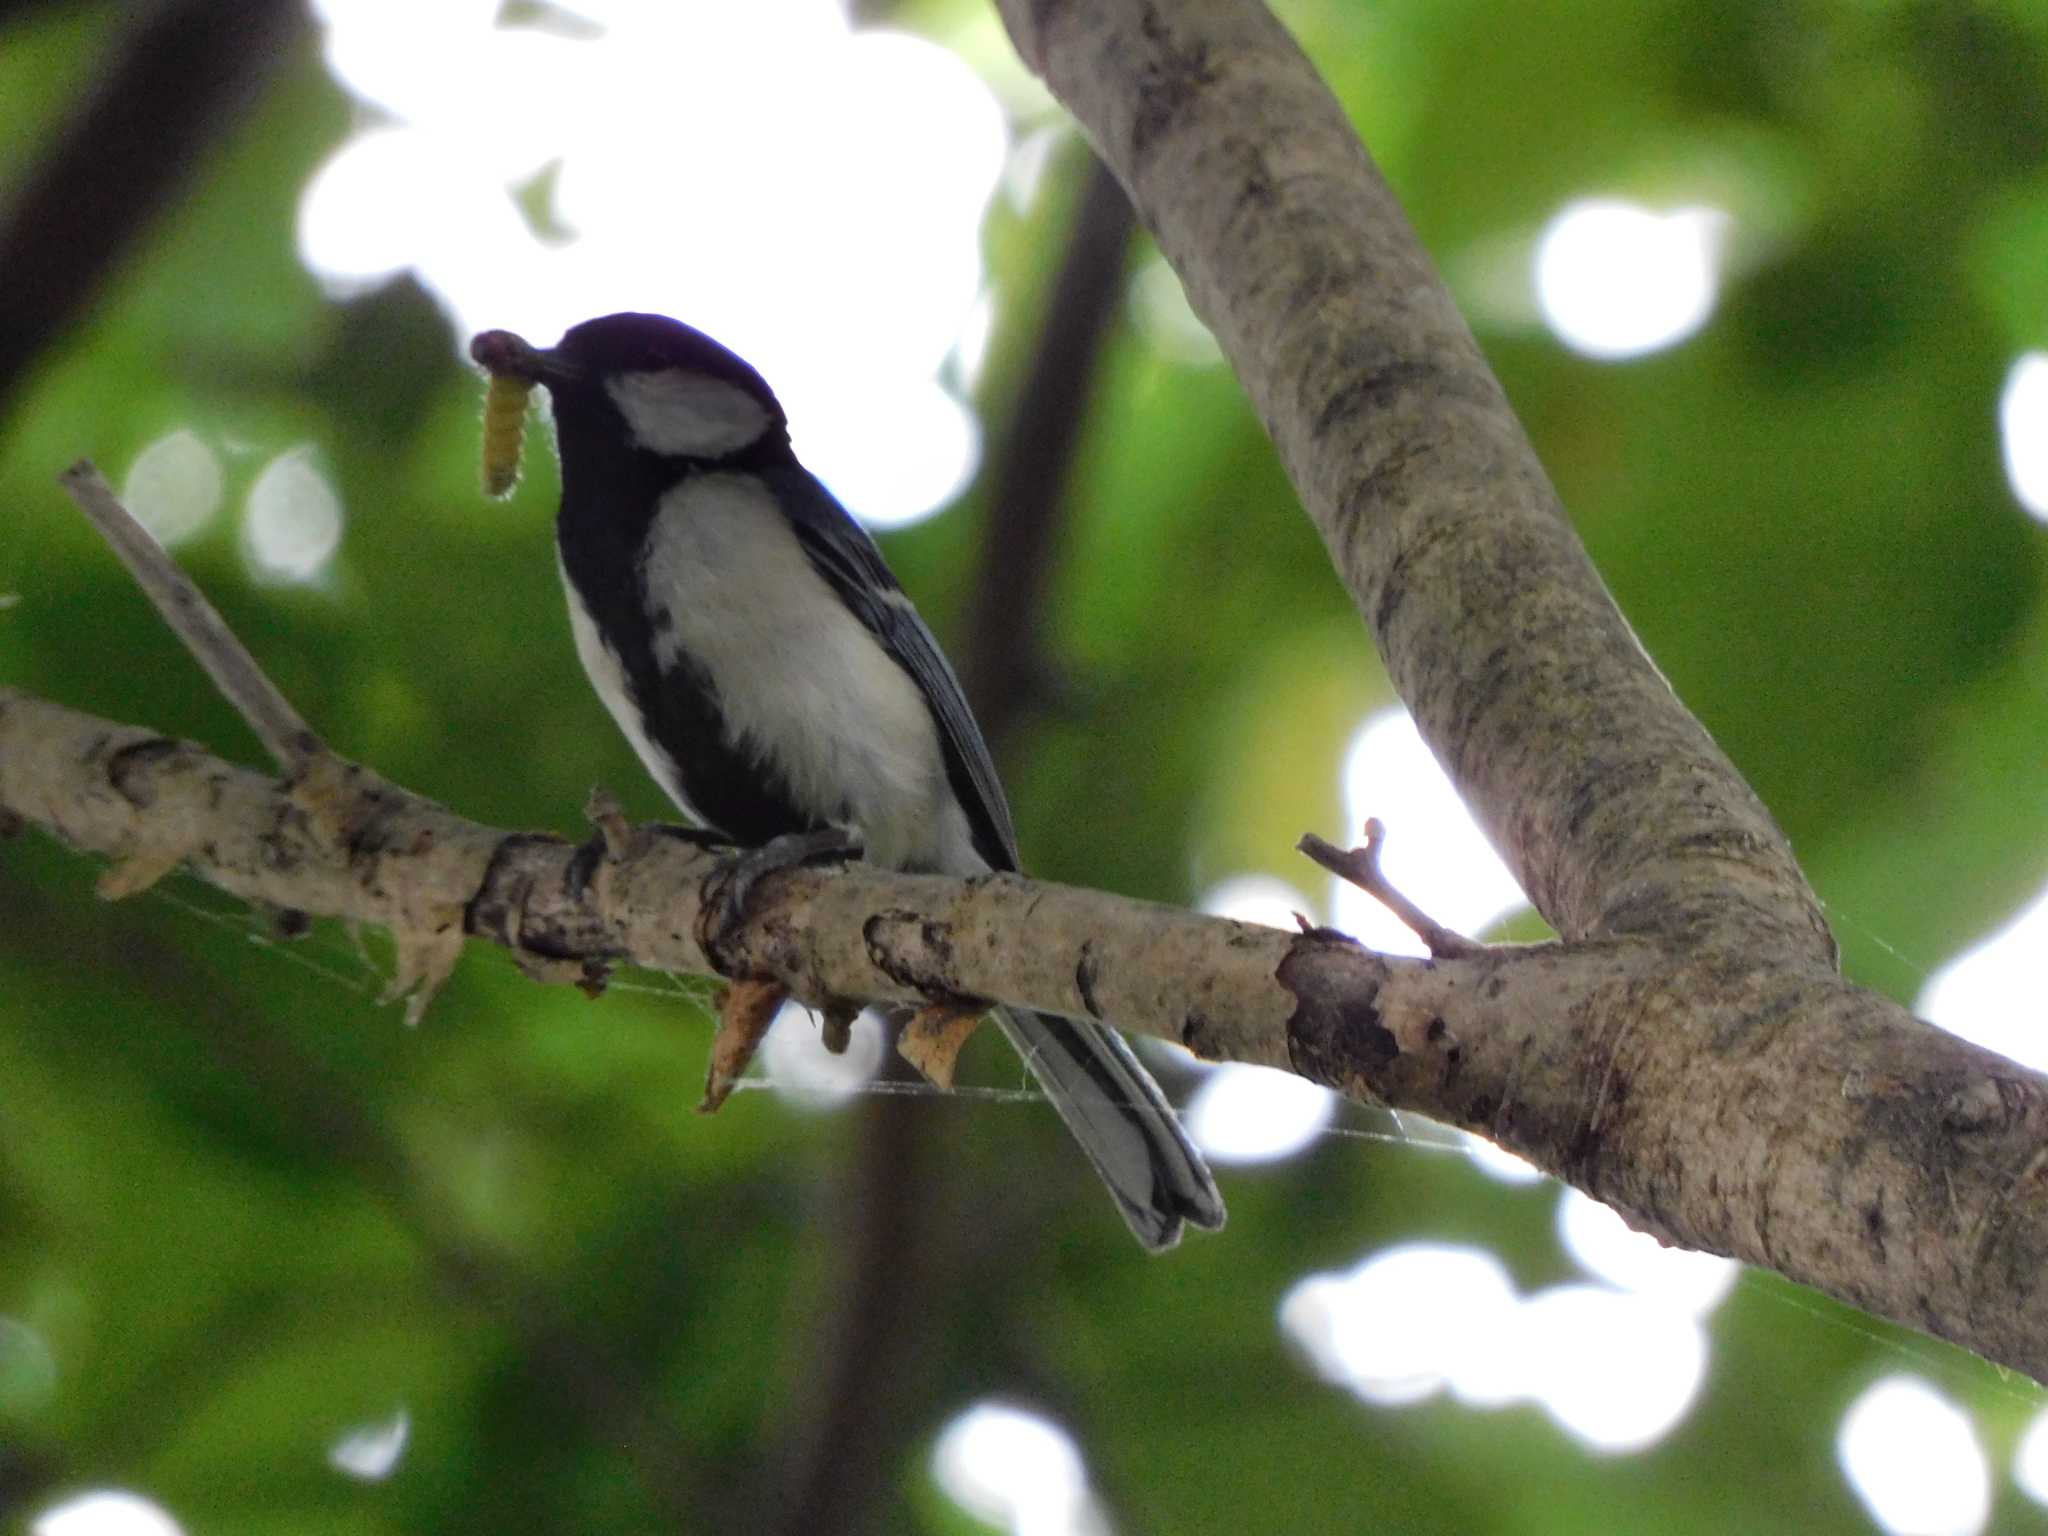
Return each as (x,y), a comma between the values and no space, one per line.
(674,411)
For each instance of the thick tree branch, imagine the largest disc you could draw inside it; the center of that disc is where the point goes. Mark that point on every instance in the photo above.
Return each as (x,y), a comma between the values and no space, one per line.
(392,858)
(1783,1116)
(1718,1083)
(1615,809)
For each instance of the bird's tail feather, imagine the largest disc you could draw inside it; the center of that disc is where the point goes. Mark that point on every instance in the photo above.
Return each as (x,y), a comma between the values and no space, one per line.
(1122,1121)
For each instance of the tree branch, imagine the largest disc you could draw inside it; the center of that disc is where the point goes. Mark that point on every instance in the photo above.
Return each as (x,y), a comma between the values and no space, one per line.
(1727,1089)
(1006,664)
(285,736)
(1687,1053)
(1712,1100)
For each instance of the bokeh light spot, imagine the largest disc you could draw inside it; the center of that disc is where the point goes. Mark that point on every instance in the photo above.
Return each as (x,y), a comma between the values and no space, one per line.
(1497,1162)
(1261,899)
(174,487)
(1407,1322)
(1989,994)
(28,1371)
(1247,1114)
(836,435)
(807,1075)
(1616,280)
(292,525)
(1694,1283)
(1016,1470)
(105,1512)
(1617,1371)
(2030,1460)
(1914,1460)
(371,1452)
(2023,431)
(848,172)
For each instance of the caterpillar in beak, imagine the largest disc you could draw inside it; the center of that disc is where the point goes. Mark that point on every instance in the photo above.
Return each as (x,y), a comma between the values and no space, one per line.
(504,430)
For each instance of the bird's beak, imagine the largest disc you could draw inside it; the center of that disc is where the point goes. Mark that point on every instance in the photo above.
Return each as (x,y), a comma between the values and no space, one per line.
(503,354)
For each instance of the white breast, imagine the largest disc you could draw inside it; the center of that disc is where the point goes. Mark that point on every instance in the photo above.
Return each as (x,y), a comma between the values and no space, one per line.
(799,678)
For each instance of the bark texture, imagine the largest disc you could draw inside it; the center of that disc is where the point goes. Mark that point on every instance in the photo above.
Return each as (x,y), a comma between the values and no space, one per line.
(1689,1053)
(1723,1102)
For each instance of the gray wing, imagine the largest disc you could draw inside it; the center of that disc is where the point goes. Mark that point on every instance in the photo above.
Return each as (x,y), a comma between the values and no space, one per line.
(842,553)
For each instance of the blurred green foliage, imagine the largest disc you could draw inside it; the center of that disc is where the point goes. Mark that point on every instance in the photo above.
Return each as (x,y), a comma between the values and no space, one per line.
(245,1209)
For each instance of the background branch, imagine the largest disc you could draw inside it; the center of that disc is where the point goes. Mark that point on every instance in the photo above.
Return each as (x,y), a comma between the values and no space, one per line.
(895,1255)
(178,79)
(1005,655)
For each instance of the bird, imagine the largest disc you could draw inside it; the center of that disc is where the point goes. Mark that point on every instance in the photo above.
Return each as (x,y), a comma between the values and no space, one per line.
(775,680)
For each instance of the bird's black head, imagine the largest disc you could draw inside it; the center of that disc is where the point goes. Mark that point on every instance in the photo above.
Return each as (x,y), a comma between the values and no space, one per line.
(646,384)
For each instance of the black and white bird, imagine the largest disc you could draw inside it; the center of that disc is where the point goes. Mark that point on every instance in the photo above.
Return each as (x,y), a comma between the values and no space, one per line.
(760,657)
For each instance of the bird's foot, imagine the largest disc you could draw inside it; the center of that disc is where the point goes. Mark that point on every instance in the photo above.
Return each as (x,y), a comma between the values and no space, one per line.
(725,908)
(614,836)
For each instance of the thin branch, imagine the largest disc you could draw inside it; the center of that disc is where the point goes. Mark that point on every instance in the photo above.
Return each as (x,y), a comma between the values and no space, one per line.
(1361,867)
(195,621)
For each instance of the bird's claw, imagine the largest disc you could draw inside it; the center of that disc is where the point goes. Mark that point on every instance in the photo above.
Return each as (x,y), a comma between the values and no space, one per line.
(727,908)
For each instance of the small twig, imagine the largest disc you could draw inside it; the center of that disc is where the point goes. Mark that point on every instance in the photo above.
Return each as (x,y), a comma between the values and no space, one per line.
(206,635)
(1361,866)
(744,1016)
(936,1034)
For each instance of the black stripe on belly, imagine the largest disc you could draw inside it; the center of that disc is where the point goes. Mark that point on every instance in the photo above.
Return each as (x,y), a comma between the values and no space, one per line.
(601,547)
(728,788)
